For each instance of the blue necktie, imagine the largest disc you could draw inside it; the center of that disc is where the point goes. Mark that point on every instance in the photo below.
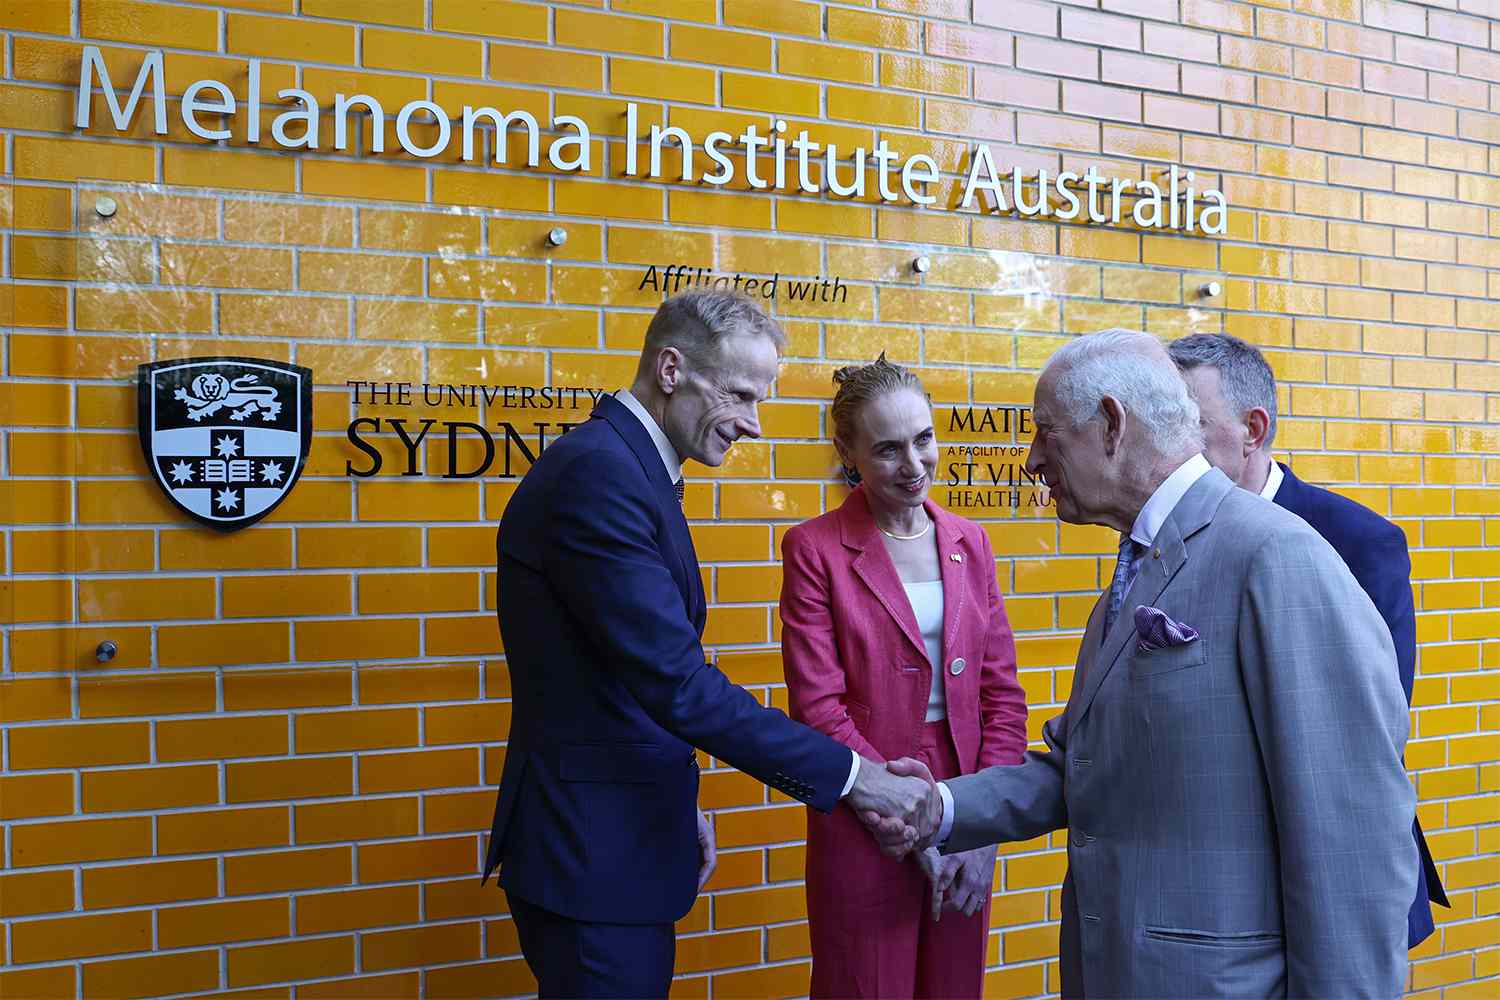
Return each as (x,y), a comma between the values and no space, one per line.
(1130,549)
(680,488)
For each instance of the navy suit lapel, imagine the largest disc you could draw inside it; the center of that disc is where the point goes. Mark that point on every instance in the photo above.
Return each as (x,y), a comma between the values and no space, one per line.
(677,537)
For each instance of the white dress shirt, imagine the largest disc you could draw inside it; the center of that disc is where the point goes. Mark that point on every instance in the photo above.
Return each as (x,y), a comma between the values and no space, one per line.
(1147,525)
(1273,482)
(669,456)
(673,463)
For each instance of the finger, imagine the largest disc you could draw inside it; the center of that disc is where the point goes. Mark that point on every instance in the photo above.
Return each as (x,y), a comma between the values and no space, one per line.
(898,847)
(937,903)
(908,767)
(895,849)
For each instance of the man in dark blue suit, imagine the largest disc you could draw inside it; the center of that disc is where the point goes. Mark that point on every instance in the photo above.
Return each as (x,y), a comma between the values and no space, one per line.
(1236,395)
(597,831)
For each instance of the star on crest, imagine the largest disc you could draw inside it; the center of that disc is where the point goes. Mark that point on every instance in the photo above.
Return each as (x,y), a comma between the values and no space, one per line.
(182,472)
(226,499)
(226,447)
(270,472)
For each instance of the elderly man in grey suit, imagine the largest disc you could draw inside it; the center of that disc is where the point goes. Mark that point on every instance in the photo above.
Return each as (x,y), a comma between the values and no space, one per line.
(1229,761)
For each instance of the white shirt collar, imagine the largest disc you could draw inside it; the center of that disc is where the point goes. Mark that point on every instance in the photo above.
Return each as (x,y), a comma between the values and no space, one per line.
(1152,516)
(1273,482)
(658,436)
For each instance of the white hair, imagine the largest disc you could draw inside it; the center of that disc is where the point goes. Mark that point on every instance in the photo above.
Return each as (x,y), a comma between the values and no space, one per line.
(1120,364)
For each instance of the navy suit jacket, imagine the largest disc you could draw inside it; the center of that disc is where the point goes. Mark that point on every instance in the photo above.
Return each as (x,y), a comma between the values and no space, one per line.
(601,612)
(1374,549)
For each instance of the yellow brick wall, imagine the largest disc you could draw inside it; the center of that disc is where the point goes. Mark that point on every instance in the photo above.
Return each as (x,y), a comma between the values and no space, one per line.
(282,781)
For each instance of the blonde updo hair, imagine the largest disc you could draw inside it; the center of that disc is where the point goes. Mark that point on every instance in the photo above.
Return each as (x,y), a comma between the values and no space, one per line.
(857,385)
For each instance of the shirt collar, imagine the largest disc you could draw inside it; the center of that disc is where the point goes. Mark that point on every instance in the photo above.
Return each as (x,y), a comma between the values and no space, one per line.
(1152,516)
(658,436)
(1273,482)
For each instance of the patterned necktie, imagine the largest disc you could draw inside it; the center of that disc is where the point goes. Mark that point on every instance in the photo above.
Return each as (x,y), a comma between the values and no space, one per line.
(1124,574)
(680,488)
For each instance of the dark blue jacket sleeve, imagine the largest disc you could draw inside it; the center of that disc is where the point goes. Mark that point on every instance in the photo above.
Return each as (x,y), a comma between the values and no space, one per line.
(606,563)
(1383,568)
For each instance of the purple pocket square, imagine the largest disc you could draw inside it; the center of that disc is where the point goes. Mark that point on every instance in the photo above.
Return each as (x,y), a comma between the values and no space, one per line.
(1154,630)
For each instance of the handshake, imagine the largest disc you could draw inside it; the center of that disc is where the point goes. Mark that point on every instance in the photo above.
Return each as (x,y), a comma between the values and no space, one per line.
(899,802)
(903,809)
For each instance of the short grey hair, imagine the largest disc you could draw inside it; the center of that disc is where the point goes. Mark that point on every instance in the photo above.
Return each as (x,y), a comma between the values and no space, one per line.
(1244,376)
(1118,363)
(697,321)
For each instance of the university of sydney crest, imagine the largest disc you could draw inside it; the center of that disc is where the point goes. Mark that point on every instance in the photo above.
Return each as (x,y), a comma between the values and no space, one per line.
(225,438)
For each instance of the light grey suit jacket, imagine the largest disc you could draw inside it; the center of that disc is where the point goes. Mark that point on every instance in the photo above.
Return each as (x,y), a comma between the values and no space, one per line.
(1239,816)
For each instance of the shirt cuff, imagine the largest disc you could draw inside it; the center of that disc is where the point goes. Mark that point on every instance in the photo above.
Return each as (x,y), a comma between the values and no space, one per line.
(946,826)
(853,773)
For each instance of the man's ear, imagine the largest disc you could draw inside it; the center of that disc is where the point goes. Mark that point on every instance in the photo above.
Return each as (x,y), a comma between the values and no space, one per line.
(668,370)
(1114,423)
(1257,426)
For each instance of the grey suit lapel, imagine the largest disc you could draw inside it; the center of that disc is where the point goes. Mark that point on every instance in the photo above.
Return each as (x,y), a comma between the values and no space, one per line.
(1168,554)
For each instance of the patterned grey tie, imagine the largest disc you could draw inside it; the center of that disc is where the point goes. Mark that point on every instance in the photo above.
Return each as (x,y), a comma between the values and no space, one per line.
(1130,549)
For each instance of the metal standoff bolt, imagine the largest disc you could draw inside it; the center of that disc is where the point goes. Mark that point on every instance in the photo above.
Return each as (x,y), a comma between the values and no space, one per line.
(105,206)
(922,264)
(557,237)
(1211,290)
(106,651)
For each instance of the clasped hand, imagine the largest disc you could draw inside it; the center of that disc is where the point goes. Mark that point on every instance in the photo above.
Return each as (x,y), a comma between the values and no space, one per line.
(899,803)
(960,882)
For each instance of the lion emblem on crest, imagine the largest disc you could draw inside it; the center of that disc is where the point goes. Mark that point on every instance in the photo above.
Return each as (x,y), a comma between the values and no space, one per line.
(207,394)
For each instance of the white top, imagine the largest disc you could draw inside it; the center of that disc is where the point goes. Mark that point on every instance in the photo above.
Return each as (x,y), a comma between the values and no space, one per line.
(673,463)
(927,604)
(1273,482)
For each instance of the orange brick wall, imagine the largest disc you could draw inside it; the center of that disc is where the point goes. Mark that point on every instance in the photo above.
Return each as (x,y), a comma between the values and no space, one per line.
(282,782)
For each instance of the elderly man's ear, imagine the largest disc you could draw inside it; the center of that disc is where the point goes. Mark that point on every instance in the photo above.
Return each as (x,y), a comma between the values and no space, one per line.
(1114,423)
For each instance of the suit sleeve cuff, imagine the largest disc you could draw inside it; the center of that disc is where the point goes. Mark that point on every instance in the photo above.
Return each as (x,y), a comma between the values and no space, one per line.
(946,826)
(853,773)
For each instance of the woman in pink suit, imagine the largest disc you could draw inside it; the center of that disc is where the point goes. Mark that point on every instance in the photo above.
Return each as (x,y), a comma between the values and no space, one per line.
(895,641)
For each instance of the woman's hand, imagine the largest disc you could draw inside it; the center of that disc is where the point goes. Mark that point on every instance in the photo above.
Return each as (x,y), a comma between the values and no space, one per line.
(941,871)
(976,875)
(708,854)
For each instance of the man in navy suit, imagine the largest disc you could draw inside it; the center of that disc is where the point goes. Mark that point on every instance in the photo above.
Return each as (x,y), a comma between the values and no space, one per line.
(1236,395)
(597,831)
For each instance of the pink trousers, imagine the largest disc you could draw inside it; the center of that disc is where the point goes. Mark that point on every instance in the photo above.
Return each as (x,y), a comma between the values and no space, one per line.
(868,916)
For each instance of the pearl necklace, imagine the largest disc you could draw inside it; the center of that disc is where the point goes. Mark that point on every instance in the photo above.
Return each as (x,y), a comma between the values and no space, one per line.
(906,538)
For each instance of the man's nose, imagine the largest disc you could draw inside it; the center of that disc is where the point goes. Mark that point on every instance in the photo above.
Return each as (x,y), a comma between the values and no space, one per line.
(749,425)
(1034,461)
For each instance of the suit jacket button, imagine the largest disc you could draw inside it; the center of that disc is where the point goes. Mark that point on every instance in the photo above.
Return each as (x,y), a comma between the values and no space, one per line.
(957,666)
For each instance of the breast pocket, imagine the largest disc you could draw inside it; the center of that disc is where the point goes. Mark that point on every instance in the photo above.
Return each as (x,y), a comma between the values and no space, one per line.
(1168,659)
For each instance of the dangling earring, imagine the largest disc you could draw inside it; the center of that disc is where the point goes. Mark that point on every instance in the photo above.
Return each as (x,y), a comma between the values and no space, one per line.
(850,474)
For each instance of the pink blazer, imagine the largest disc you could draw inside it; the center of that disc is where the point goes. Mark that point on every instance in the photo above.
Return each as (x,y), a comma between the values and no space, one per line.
(856,666)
